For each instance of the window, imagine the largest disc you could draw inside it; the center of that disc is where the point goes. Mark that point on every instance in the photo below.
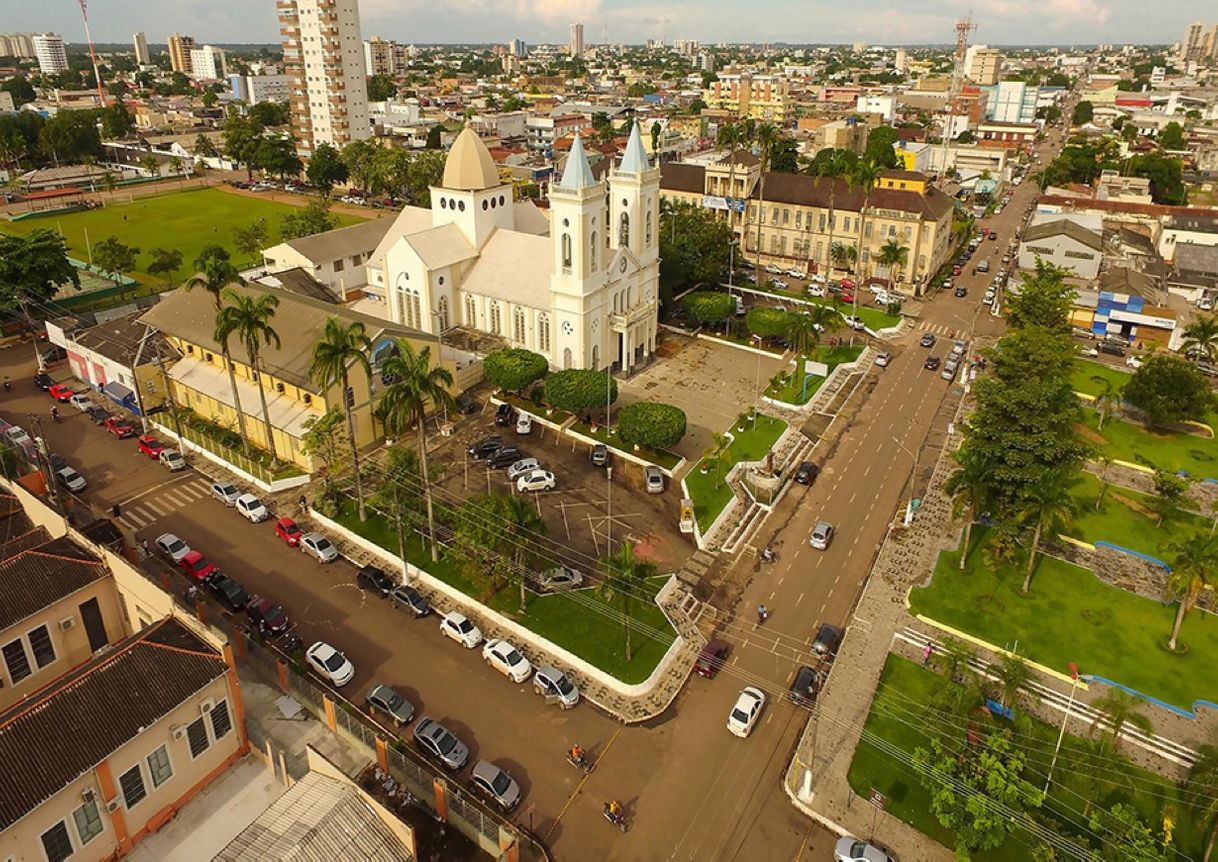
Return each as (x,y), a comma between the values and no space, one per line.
(648,229)
(350,399)
(566,252)
(623,230)
(442,313)
(786,216)
(88,821)
(543,333)
(56,843)
(221,722)
(774,215)
(867,231)
(159,768)
(799,218)
(196,735)
(822,223)
(40,644)
(339,265)
(355,260)
(496,324)
(592,252)
(15,659)
(131,783)
(471,311)
(518,326)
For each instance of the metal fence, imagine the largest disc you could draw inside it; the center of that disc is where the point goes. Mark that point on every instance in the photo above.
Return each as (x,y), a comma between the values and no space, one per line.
(232,456)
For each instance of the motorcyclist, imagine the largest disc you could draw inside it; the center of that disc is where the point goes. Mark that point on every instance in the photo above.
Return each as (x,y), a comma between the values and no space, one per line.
(762,613)
(7,384)
(55,413)
(614,809)
(767,554)
(576,754)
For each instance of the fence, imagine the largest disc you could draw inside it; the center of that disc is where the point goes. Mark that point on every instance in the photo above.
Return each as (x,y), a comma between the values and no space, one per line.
(232,456)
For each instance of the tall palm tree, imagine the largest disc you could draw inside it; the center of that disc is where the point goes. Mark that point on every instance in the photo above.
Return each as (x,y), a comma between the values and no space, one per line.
(249,318)
(1107,399)
(1202,336)
(1117,709)
(417,385)
(894,256)
(843,255)
(767,138)
(956,660)
(1193,568)
(831,169)
(1202,779)
(970,490)
(1013,674)
(1105,463)
(521,523)
(865,176)
(1048,507)
(714,455)
(730,137)
(341,346)
(625,578)
(214,271)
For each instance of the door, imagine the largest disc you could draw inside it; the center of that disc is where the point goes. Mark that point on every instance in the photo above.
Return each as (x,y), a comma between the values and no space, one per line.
(94,627)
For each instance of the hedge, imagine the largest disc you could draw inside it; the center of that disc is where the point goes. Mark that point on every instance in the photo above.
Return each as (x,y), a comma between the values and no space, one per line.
(579,390)
(705,306)
(656,426)
(514,368)
(768,322)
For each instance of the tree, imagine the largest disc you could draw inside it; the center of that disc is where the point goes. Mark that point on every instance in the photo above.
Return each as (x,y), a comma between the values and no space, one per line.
(326,169)
(175,165)
(165,263)
(1171,137)
(268,114)
(1169,491)
(69,136)
(20,89)
(1013,674)
(1084,111)
(639,89)
(426,169)
(314,217)
(831,165)
(767,138)
(1194,567)
(251,239)
(894,256)
(656,129)
(522,524)
(514,368)
(708,307)
(1044,300)
(865,176)
(969,489)
(1126,838)
(209,99)
(381,88)
(242,135)
(434,137)
(323,437)
(417,385)
(650,424)
(879,149)
(249,318)
(694,248)
(115,257)
(1116,709)
(151,164)
(277,156)
(214,271)
(766,322)
(1165,175)
(1104,462)
(1202,778)
(580,391)
(625,578)
(397,491)
(1048,506)
(32,269)
(956,658)
(117,121)
(1201,338)
(1107,399)
(1169,389)
(342,346)
(204,148)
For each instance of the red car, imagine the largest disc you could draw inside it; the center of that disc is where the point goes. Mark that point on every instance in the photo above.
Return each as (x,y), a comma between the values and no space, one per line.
(956,270)
(287,529)
(711,658)
(197,567)
(151,446)
(119,427)
(847,284)
(60,392)
(846,296)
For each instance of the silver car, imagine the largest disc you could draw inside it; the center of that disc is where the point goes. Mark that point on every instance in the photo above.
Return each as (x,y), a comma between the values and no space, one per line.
(522,468)
(560,578)
(822,535)
(172,547)
(225,492)
(552,684)
(381,698)
(317,545)
(441,743)
(851,849)
(71,480)
(494,783)
(949,369)
(654,479)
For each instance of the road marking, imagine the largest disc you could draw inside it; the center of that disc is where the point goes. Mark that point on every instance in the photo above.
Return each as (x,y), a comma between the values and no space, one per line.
(868,470)
(178,500)
(158,487)
(583,781)
(852,496)
(822,608)
(800,599)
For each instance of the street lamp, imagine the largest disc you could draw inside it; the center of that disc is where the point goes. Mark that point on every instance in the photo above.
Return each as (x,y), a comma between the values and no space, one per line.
(609,509)
(731,260)
(757,384)
(1061,735)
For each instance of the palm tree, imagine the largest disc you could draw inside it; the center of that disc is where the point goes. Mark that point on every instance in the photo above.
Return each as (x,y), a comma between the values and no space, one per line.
(341,346)
(714,454)
(249,318)
(214,271)
(417,385)
(1202,336)
(957,657)
(1105,462)
(521,523)
(1117,709)
(1193,568)
(175,166)
(1202,778)
(151,165)
(730,136)
(894,256)
(970,491)
(625,577)
(843,255)
(1107,400)
(1013,674)
(831,169)
(767,138)
(865,176)
(1049,506)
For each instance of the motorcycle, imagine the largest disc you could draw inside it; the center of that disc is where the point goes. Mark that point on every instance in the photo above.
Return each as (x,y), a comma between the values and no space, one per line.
(619,820)
(55,414)
(8,386)
(290,644)
(582,763)
(768,556)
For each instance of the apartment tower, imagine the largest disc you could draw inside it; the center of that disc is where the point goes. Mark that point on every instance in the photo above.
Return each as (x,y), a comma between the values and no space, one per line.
(140,43)
(179,52)
(51,53)
(323,54)
(576,46)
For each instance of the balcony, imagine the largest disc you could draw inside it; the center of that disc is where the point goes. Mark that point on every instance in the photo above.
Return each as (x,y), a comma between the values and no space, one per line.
(640,312)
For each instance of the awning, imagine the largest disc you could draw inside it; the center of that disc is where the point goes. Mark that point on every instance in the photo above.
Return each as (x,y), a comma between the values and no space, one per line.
(116,391)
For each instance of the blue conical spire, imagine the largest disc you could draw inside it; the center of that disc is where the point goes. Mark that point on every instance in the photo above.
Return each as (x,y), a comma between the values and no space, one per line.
(635,160)
(578,173)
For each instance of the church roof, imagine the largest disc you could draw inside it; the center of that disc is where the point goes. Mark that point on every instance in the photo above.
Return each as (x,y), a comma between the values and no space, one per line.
(441,246)
(469,165)
(635,160)
(513,267)
(578,173)
(529,219)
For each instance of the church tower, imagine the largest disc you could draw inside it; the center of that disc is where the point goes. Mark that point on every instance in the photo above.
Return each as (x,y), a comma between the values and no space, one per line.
(472,196)
(634,194)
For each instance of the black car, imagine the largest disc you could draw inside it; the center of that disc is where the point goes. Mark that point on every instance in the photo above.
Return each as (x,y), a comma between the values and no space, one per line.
(806,473)
(505,415)
(228,591)
(961,291)
(931,363)
(58,462)
(97,414)
(828,639)
(485,447)
(804,687)
(600,455)
(54,354)
(372,578)
(267,616)
(43,381)
(466,404)
(1111,348)
(504,457)
(411,599)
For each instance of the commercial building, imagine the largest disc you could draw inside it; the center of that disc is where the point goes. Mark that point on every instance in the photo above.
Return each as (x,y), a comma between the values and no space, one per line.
(763,97)
(261,88)
(1072,242)
(179,52)
(885,106)
(1011,102)
(385,57)
(518,48)
(51,54)
(323,55)
(142,56)
(982,64)
(207,63)
(576,46)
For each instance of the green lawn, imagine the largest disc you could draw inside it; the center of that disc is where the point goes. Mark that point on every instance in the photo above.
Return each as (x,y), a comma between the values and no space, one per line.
(1196,455)
(1071,615)
(1118,523)
(901,716)
(1085,369)
(708,493)
(589,626)
(184,220)
(790,387)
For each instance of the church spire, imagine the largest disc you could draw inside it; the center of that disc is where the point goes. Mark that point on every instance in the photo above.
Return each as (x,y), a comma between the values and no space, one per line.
(578,173)
(635,160)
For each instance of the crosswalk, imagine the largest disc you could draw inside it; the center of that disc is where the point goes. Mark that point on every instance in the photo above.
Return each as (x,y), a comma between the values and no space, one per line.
(935,328)
(144,510)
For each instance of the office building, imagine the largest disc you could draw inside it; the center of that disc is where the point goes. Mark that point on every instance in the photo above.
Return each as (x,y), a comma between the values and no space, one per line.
(1190,45)
(576,47)
(323,55)
(900,62)
(51,54)
(518,48)
(1011,102)
(763,97)
(261,88)
(981,65)
(179,52)
(705,62)
(207,63)
(140,43)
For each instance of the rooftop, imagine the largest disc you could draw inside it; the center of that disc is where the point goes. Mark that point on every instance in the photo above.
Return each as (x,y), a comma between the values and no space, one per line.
(679,177)
(37,571)
(1066,226)
(118,340)
(333,244)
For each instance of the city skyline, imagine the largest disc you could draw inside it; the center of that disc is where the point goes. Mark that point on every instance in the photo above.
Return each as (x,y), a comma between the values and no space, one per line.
(1057,22)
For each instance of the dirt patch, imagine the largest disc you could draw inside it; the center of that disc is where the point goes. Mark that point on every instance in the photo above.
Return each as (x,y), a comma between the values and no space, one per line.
(1135,505)
(668,348)
(1093,436)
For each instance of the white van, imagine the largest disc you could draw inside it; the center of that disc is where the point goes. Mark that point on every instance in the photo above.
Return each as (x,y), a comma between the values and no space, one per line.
(740,309)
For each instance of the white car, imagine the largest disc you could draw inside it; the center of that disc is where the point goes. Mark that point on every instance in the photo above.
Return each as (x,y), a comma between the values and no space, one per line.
(851,849)
(1134,362)
(458,627)
(780,283)
(743,717)
(524,424)
(794,272)
(70,479)
(251,507)
(1086,350)
(814,290)
(172,459)
(81,403)
(172,547)
(559,578)
(317,545)
(877,289)
(855,322)
(330,664)
(773,270)
(882,359)
(818,278)
(506,659)
(538,480)
(522,468)
(225,492)
(17,436)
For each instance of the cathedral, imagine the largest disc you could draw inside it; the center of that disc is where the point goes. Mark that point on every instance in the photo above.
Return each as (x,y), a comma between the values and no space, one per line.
(582,289)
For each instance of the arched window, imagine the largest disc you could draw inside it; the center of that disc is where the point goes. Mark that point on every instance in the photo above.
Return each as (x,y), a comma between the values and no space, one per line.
(442,313)
(630,296)
(647,233)
(596,354)
(416,310)
(471,311)
(623,230)
(496,323)
(615,303)
(592,252)
(543,332)
(518,326)
(566,252)
(566,358)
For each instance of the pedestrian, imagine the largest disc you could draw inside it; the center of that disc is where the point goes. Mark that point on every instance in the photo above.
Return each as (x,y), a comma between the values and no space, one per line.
(926,655)
(304,504)
(116,511)
(144,548)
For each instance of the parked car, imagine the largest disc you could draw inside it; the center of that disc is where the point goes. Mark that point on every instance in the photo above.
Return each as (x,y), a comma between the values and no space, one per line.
(552,684)
(653,479)
(289,531)
(538,480)
(745,712)
(403,596)
(150,446)
(119,427)
(43,381)
(319,547)
(372,578)
(524,424)
(815,290)
(98,415)
(485,447)
(949,369)
(196,566)
(228,591)
(822,535)
(961,290)
(251,508)
(465,404)
(855,323)
(81,403)
(495,784)
(504,457)
(436,740)
(928,340)
(882,359)
(383,699)
(506,659)
(269,617)
(712,657)
(225,492)
(53,354)
(172,547)
(806,473)
(559,578)
(16,435)
(457,626)
(70,479)
(522,468)
(804,687)
(505,415)
(1111,348)
(172,459)
(828,639)
(851,849)
(330,664)
(600,455)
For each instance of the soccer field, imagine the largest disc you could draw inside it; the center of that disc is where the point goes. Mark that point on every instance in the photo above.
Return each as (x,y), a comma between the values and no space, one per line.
(185,220)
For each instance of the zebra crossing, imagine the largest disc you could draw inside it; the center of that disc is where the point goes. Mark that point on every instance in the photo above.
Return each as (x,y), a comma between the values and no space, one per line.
(935,328)
(142,511)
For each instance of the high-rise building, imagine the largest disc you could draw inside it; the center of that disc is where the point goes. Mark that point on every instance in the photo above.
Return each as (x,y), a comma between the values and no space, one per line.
(140,43)
(378,56)
(179,52)
(51,54)
(517,48)
(19,45)
(207,63)
(576,46)
(981,65)
(901,61)
(323,55)
(1190,47)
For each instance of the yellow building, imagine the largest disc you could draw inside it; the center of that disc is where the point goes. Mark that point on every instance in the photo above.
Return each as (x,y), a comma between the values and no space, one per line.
(763,97)
(201,382)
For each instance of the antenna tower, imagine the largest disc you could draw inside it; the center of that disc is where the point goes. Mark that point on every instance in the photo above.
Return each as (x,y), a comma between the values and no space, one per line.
(963,28)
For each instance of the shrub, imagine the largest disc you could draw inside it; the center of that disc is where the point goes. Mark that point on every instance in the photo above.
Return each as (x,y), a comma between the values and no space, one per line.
(1169,389)
(580,390)
(706,306)
(656,426)
(768,322)
(514,368)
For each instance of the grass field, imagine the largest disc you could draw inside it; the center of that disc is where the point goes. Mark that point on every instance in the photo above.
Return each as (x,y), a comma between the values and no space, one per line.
(1070,615)
(1085,369)
(1192,453)
(710,495)
(186,221)
(792,390)
(1118,523)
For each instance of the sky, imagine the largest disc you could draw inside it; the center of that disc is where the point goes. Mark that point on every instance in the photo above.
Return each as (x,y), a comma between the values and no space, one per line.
(878,22)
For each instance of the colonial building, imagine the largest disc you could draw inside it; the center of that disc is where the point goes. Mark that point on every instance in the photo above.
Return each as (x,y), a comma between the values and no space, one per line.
(581,290)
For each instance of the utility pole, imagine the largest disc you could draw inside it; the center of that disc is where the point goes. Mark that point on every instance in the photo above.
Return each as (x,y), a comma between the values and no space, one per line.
(173,407)
(44,464)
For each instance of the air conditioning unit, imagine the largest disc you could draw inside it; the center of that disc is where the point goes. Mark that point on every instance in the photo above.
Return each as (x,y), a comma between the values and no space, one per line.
(67,623)
(178,731)
(113,805)
(207,704)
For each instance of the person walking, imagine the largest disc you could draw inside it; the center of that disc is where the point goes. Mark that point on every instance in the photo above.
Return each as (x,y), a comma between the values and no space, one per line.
(926,655)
